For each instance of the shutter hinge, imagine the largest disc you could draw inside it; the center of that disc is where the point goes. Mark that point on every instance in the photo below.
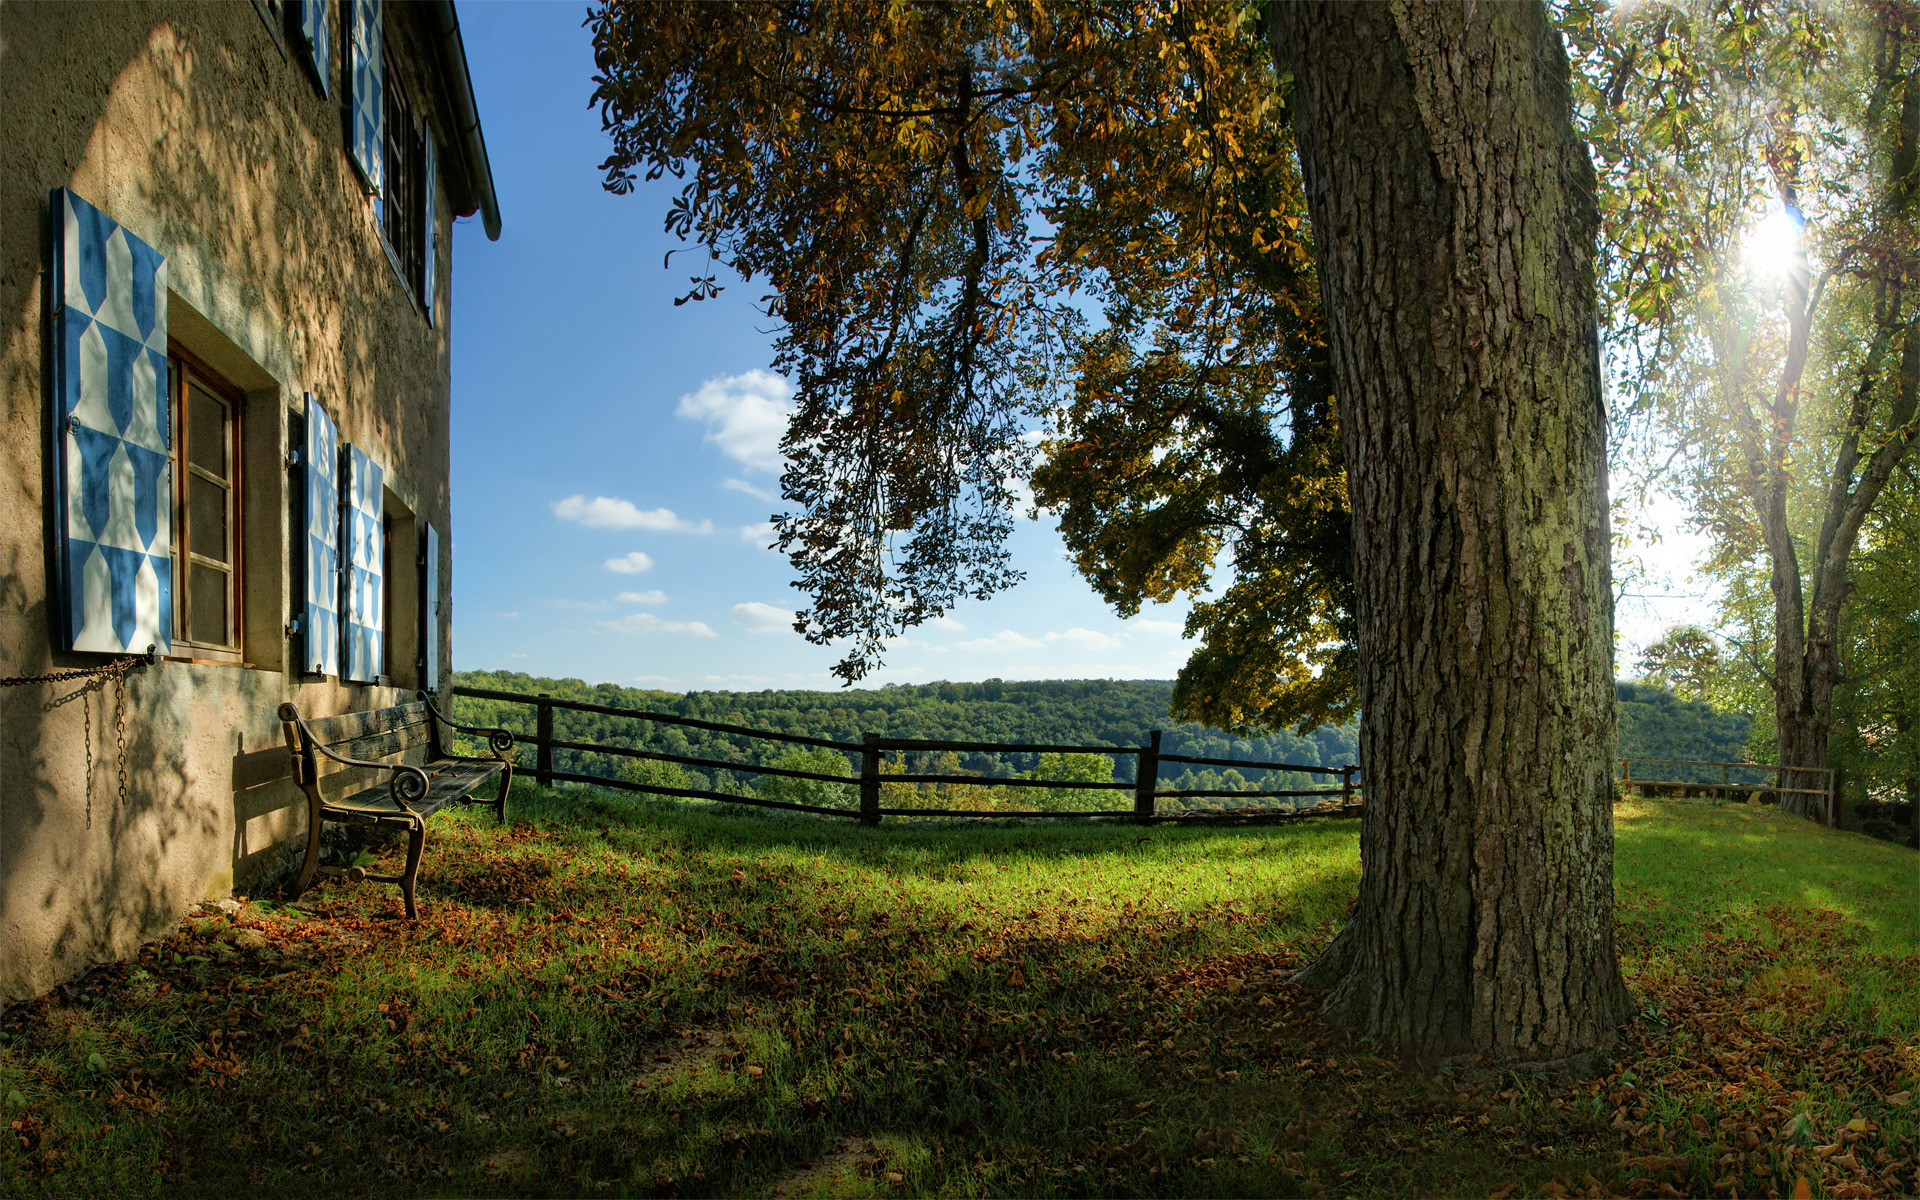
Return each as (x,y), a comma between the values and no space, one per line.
(293,627)
(293,458)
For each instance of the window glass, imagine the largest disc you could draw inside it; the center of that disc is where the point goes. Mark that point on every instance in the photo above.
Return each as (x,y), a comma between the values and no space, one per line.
(206,541)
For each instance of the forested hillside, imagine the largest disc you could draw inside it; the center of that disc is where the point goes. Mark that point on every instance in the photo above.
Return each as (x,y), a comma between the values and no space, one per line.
(1081,712)
(1087,712)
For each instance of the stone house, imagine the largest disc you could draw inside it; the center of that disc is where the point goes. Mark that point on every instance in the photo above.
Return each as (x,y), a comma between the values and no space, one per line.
(225,266)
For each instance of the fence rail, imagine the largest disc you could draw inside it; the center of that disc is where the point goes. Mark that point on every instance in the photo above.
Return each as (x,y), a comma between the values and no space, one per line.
(872,749)
(1726,786)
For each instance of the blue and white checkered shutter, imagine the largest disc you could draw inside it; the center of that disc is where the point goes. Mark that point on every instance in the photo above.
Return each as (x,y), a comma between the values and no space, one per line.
(366,623)
(427,189)
(319,42)
(115,504)
(367,83)
(430,611)
(320,619)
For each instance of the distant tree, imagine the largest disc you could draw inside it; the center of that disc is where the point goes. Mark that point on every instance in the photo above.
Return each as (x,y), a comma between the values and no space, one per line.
(1074,768)
(820,761)
(1688,656)
(651,772)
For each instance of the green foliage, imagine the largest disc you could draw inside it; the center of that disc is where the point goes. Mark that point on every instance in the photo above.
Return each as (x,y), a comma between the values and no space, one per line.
(651,772)
(1687,656)
(820,761)
(1656,724)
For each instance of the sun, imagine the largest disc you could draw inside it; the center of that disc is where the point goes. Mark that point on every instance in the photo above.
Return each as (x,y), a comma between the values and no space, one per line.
(1776,246)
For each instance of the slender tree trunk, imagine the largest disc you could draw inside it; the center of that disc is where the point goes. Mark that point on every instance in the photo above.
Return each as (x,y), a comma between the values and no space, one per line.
(1453,217)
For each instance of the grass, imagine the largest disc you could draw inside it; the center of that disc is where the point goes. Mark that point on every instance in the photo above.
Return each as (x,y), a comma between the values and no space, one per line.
(614,998)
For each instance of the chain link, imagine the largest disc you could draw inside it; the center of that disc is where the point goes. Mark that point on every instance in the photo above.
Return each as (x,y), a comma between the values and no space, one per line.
(115,670)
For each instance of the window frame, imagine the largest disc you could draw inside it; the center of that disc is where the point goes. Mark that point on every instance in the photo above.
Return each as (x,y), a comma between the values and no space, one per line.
(399,208)
(184,370)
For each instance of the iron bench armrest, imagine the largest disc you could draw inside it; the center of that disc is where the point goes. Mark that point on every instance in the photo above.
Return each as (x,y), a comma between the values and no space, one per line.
(498,740)
(414,789)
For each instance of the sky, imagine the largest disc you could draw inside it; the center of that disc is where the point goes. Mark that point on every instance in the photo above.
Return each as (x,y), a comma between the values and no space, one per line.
(615,458)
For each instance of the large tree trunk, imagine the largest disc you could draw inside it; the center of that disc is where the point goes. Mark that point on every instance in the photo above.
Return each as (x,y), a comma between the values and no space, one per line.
(1453,218)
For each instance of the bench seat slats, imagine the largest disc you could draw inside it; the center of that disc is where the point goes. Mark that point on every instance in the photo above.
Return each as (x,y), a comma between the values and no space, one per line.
(447,781)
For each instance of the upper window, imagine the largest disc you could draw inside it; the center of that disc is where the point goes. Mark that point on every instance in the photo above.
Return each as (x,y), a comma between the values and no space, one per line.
(401,205)
(206,455)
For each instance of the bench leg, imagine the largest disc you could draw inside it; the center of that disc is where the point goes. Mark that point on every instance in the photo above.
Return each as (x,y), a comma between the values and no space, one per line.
(500,805)
(416,840)
(311,865)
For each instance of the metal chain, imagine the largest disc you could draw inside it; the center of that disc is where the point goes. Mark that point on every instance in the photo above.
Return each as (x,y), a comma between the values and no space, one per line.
(115,670)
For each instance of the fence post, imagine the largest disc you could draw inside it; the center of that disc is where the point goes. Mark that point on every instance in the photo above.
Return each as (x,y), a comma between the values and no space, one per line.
(870,779)
(1346,784)
(543,741)
(1146,777)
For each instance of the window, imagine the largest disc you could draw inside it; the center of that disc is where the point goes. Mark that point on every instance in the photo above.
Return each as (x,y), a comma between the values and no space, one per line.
(206,415)
(401,205)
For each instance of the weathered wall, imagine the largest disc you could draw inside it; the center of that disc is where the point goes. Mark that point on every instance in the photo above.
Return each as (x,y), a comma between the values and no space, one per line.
(192,125)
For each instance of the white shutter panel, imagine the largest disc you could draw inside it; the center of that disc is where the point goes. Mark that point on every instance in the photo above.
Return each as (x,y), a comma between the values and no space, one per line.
(430,611)
(315,31)
(113,473)
(320,624)
(426,190)
(366,623)
(367,83)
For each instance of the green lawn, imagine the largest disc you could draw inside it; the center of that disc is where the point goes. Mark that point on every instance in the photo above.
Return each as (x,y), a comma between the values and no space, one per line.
(613,998)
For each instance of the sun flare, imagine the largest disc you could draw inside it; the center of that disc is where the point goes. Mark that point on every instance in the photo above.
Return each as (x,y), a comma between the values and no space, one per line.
(1777,245)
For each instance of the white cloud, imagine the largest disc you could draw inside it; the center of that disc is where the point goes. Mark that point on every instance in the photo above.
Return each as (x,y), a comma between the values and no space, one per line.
(516,656)
(1006,639)
(580,605)
(663,682)
(763,618)
(511,616)
(630,564)
(760,535)
(741,485)
(654,596)
(945,622)
(746,416)
(606,512)
(648,623)
(1084,637)
(1151,626)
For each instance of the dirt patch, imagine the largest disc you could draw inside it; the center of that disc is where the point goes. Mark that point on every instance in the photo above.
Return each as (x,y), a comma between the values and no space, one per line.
(681,1053)
(846,1164)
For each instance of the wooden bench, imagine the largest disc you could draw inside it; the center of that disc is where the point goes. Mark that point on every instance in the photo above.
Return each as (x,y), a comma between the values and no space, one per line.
(386,767)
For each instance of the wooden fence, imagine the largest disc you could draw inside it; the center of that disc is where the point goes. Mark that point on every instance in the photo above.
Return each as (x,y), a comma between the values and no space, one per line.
(1726,787)
(872,748)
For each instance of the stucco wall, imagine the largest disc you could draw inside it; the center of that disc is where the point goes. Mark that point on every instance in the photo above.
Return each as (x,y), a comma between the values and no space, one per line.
(192,126)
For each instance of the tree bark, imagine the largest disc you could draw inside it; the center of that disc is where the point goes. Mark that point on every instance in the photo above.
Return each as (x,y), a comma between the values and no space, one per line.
(1454,219)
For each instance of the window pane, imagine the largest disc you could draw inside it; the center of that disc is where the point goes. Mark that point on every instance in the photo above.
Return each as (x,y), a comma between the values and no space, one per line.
(206,430)
(208,605)
(207,518)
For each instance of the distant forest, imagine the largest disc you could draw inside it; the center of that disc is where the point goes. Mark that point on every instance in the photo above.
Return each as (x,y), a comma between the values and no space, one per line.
(1653,723)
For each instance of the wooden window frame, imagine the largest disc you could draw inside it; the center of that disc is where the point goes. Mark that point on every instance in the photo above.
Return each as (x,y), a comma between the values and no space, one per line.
(401,211)
(183,364)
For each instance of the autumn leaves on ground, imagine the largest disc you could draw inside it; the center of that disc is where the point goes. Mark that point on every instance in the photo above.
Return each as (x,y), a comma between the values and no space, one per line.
(614,998)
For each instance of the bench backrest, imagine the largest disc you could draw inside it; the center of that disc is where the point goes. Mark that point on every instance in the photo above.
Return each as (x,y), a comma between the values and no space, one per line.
(403,733)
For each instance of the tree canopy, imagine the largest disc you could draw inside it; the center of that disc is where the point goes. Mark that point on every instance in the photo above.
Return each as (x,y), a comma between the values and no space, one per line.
(979,223)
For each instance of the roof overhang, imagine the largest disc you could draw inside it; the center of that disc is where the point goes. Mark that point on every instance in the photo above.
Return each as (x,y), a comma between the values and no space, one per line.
(451,55)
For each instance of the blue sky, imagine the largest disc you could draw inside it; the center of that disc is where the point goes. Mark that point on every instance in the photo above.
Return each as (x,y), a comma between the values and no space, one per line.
(614,457)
